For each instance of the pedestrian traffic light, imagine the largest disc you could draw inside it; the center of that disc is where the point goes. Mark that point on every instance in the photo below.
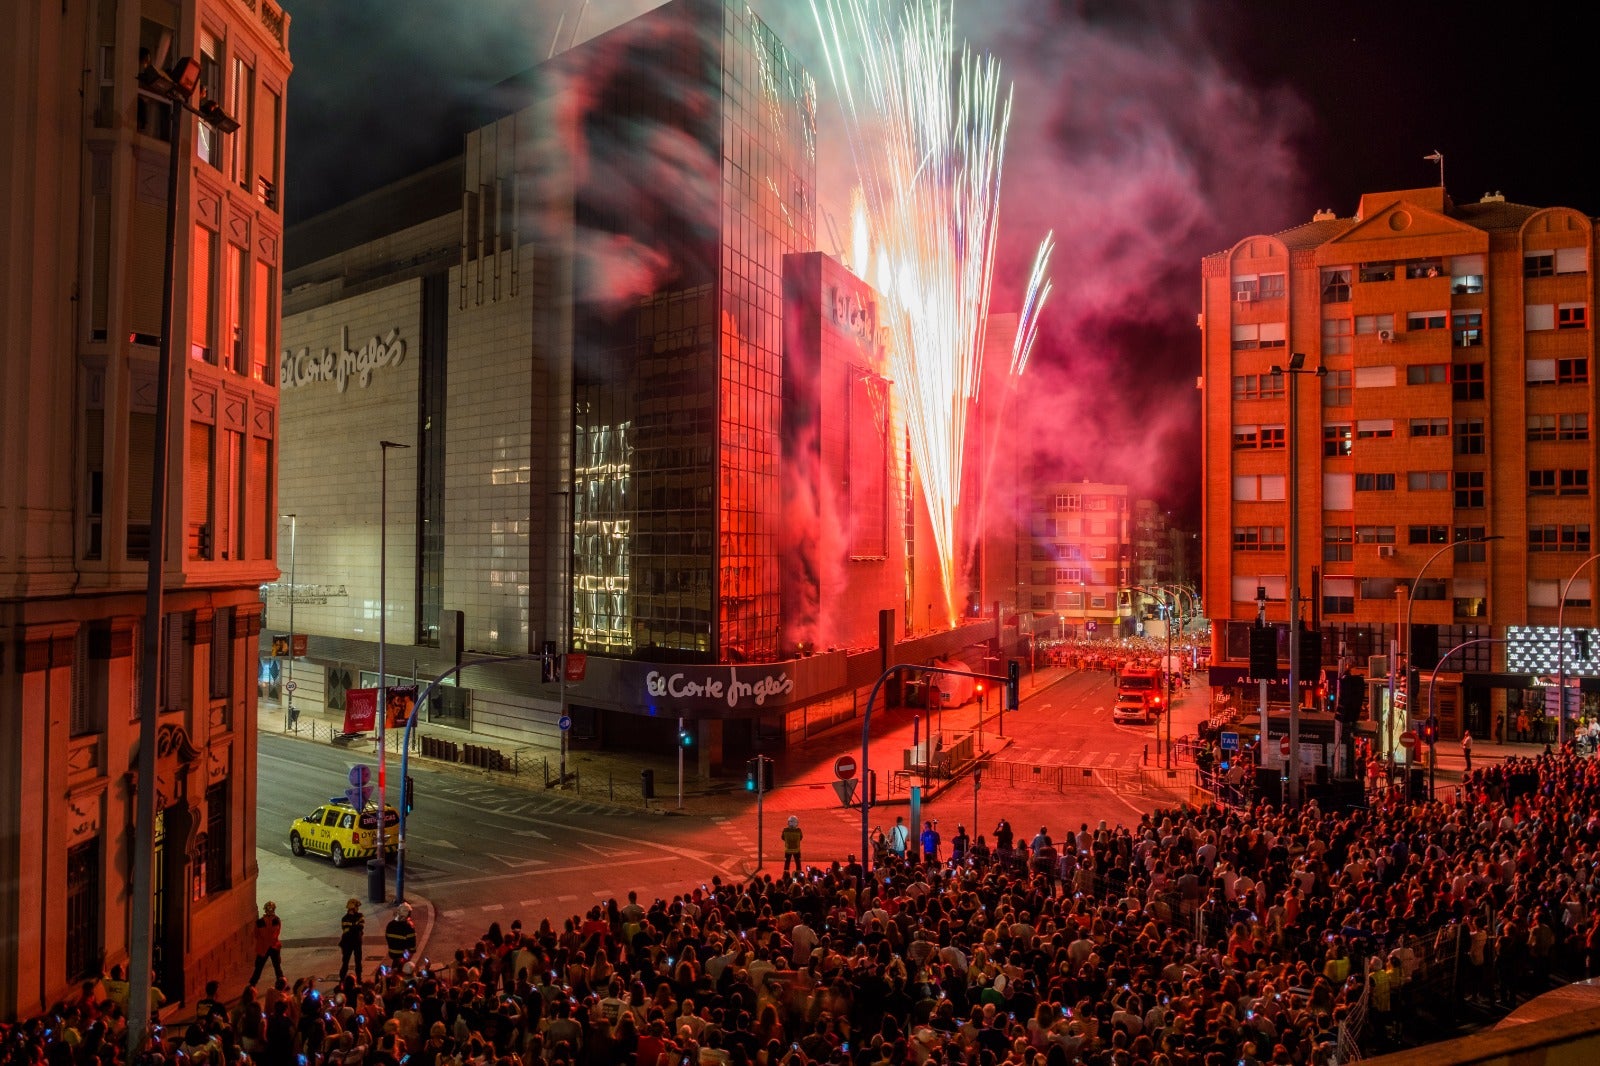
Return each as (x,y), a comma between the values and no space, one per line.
(758,774)
(1428,731)
(685,738)
(1013,683)
(411,792)
(1263,653)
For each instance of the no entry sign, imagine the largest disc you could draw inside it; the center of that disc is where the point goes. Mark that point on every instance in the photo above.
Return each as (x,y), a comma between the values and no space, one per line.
(844,767)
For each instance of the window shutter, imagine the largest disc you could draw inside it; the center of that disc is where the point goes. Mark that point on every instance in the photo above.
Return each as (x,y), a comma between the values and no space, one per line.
(1272,332)
(1572,260)
(1466,266)
(1539,316)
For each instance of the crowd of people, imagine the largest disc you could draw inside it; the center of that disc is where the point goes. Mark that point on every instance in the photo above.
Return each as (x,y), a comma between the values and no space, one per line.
(1197,936)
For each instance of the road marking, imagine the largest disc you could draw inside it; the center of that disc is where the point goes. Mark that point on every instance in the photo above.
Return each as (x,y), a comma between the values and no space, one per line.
(565,899)
(488,907)
(458,912)
(529,833)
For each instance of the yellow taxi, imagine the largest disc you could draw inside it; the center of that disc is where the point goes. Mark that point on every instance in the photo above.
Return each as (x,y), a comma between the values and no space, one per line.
(334,830)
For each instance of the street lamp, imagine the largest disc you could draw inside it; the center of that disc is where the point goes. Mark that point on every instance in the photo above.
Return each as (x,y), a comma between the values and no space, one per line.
(1561,657)
(1411,602)
(289,714)
(1294,370)
(1433,675)
(176,90)
(383,676)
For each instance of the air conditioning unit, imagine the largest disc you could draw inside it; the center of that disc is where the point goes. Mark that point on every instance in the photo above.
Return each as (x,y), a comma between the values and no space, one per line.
(1386,551)
(1244,296)
(1386,336)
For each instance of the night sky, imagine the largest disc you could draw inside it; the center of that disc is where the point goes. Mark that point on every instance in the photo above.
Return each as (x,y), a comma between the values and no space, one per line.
(1145,135)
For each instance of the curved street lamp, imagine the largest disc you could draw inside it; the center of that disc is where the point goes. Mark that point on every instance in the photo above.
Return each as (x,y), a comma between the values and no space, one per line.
(1561,657)
(1411,602)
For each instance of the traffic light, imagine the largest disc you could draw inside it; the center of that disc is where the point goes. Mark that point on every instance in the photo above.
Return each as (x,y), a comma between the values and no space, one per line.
(685,737)
(1013,683)
(411,792)
(758,774)
(1428,731)
(547,663)
(977,689)
(1310,652)
(869,791)
(1263,653)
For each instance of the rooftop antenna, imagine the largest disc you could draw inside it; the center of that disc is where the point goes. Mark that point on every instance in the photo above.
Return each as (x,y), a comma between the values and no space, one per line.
(556,40)
(573,39)
(1436,157)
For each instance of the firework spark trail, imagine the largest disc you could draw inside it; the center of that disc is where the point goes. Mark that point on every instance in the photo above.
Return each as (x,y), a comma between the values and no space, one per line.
(927,123)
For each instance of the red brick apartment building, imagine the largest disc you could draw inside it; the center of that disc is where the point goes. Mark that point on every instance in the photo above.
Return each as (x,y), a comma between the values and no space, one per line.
(1449,397)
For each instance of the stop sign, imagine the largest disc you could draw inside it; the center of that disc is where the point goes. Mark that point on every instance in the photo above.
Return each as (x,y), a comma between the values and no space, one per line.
(844,767)
(1283,747)
(1408,740)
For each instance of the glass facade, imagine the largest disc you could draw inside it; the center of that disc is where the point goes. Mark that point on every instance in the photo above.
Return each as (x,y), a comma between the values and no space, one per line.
(677,397)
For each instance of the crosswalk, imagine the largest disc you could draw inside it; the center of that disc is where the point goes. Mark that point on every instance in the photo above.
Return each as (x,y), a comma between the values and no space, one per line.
(1079,755)
(495,800)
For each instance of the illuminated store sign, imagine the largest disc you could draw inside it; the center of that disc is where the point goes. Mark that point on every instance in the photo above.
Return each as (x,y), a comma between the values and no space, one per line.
(735,687)
(303,368)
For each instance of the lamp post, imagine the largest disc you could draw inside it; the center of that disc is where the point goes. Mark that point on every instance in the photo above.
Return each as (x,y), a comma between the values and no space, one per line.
(1433,675)
(176,90)
(1296,367)
(383,640)
(1561,650)
(289,715)
(1411,602)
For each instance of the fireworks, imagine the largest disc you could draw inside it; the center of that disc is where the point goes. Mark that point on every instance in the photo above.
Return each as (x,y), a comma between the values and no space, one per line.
(927,126)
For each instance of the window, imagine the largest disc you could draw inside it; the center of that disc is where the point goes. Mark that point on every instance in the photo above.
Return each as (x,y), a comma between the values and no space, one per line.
(1336,336)
(1571,371)
(1246,287)
(234,282)
(1271,287)
(1377,271)
(1338,544)
(91,678)
(1423,268)
(1431,588)
(222,653)
(1423,320)
(1377,588)
(1466,329)
(1427,535)
(1366,324)
(1572,261)
(1336,439)
(1539,317)
(1541,427)
(1338,595)
(1469,488)
(1258,387)
(1541,482)
(84,924)
(1430,427)
(216,852)
(1466,274)
(1470,545)
(1374,482)
(1068,574)
(263,301)
(1428,374)
(1246,337)
(239,107)
(1374,428)
(1335,285)
(1338,388)
(1538,264)
(1374,377)
(1245,437)
(1427,480)
(1258,487)
(1575,482)
(1573,427)
(1575,538)
(202,292)
(1374,534)
(1338,491)
(1469,436)
(1466,381)
(1273,335)
(1539,372)
(1068,501)
(207,141)
(1572,316)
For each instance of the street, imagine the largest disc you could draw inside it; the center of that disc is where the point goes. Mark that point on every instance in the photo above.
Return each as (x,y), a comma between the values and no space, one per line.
(487,849)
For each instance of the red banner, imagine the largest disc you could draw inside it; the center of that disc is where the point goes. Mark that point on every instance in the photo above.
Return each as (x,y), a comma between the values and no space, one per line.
(577,665)
(360,710)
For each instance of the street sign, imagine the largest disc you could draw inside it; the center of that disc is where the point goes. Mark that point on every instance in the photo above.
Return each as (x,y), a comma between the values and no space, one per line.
(291,686)
(844,767)
(1091,625)
(1229,741)
(1408,740)
(1283,747)
(360,774)
(564,723)
(845,790)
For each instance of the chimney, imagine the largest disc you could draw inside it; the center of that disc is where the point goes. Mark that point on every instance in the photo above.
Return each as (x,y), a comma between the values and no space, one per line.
(1325,215)
(1495,197)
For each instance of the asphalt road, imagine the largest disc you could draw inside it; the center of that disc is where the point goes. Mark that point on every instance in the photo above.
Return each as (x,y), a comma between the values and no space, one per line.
(482,850)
